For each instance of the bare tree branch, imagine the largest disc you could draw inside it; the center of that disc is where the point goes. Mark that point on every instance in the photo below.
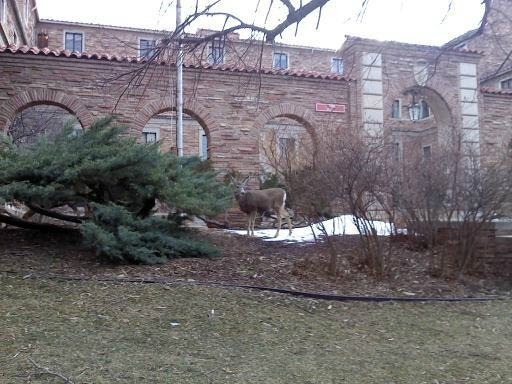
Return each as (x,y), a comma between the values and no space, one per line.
(17,222)
(47,371)
(55,215)
(294,17)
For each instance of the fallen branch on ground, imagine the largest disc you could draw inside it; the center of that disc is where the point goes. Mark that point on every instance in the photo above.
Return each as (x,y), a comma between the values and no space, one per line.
(47,371)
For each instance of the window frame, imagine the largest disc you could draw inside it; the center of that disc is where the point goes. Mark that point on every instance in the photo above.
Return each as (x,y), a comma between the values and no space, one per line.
(152,131)
(339,60)
(508,81)
(203,138)
(399,110)
(151,50)
(212,47)
(75,32)
(145,136)
(424,113)
(281,53)
(424,152)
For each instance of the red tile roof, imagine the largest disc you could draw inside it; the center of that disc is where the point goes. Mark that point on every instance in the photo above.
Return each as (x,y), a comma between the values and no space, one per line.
(222,67)
(496,91)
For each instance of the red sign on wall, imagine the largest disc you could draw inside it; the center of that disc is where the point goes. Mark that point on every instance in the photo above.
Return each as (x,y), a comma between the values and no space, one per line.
(332,108)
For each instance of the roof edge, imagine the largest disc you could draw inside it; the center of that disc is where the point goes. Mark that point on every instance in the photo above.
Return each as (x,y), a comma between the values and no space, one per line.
(26,50)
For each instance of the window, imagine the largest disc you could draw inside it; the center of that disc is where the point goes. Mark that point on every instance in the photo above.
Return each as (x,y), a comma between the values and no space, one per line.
(216,51)
(280,60)
(149,137)
(506,84)
(396,109)
(146,48)
(424,110)
(427,153)
(74,42)
(286,148)
(3,10)
(336,65)
(203,145)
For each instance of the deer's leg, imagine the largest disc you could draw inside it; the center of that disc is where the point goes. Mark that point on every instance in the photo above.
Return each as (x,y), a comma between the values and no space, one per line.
(254,216)
(279,212)
(249,215)
(288,220)
(250,226)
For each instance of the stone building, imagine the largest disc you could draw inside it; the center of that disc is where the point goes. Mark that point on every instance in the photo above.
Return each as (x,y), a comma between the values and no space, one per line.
(416,96)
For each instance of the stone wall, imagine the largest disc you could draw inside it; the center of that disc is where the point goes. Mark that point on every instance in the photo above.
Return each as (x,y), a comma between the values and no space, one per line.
(121,41)
(232,107)
(497,124)
(98,39)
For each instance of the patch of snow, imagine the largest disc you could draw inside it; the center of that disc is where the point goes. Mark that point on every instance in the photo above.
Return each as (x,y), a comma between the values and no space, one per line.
(341,225)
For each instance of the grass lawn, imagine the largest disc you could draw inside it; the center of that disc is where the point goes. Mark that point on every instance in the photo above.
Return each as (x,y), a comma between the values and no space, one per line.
(134,333)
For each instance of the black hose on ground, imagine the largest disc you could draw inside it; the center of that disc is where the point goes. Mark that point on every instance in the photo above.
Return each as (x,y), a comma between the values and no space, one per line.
(305,294)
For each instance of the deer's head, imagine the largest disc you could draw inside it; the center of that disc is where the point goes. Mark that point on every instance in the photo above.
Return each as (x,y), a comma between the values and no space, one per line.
(240,186)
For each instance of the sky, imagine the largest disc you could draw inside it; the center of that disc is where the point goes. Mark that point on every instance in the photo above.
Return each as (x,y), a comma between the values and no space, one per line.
(430,22)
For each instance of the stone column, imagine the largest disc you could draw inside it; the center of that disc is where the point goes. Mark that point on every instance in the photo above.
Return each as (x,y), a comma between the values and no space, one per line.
(372,104)
(468,92)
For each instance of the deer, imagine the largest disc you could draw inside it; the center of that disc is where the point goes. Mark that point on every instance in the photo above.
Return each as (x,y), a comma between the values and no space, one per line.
(261,201)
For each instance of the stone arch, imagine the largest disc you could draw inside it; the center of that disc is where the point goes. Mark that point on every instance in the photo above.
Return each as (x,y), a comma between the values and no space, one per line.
(292,111)
(39,96)
(446,122)
(190,107)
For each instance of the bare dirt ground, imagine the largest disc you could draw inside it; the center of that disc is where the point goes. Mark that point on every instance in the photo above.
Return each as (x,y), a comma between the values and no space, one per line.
(244,260)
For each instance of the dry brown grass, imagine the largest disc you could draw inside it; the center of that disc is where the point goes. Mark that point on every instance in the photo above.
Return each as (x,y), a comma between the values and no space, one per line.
(134,333)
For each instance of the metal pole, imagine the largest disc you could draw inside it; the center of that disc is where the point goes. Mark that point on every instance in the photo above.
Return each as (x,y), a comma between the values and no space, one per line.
(179,85)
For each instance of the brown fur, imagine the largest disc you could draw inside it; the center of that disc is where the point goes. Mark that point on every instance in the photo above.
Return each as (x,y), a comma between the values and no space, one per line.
(262,201)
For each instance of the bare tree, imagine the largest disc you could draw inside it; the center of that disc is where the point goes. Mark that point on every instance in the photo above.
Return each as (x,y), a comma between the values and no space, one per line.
(342,174)
(451,200)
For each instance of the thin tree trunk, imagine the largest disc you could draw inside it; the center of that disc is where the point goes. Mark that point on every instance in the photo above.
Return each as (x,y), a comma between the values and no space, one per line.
(16,222)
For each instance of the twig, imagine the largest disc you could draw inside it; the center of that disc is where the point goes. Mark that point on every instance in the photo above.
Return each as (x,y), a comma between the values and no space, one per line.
(47,371)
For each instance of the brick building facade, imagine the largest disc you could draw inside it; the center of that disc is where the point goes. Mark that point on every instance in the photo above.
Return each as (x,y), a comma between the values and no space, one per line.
(464,87)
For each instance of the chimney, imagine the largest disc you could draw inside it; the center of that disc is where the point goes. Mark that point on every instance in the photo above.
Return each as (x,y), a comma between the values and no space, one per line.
(42,40)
